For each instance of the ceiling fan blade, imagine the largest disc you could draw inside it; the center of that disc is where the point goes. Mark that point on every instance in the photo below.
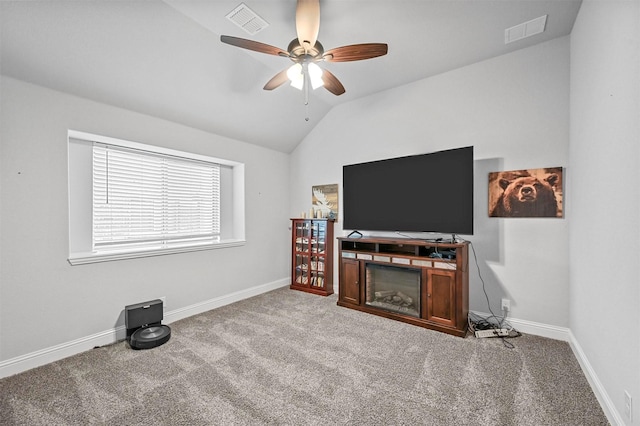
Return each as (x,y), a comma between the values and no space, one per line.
(308,22)
(355,52)
(331,83)
(253,45)
(277,80)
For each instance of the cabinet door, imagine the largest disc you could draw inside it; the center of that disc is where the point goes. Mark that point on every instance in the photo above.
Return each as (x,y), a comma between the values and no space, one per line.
(301,252)
(441,296)
(350,281)
(317,248)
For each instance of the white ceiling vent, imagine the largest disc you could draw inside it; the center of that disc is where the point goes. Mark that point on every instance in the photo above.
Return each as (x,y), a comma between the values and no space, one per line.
(524,30)
(247,19)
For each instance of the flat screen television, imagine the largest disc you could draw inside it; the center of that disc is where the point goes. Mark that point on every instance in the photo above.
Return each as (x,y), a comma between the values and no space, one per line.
(419,193)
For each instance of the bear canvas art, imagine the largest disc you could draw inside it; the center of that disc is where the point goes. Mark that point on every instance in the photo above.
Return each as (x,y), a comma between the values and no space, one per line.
(526,193)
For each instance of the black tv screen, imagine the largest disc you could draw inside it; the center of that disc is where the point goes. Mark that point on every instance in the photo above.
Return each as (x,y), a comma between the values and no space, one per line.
(419,193)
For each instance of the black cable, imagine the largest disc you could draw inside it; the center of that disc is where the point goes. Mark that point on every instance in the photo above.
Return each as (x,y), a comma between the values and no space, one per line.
(484,290)
(482,323)
(430,240)
(485,323)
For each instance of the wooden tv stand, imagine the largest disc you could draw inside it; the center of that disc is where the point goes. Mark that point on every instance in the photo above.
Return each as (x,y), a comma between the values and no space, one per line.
(419,282)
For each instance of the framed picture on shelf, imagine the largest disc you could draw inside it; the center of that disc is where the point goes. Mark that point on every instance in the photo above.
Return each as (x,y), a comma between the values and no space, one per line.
(324,198)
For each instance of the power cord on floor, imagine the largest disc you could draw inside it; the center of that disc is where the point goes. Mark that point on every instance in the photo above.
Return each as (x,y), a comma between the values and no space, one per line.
(477,322)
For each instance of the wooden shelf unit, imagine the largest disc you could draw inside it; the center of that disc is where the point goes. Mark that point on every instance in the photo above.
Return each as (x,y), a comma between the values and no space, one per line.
(312,255)
(442,277)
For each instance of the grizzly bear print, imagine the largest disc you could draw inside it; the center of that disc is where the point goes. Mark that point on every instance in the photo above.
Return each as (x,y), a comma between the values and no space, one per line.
(527,196)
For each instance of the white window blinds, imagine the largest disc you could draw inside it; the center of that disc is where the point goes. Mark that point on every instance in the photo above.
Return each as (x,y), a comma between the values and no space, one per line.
(143,199)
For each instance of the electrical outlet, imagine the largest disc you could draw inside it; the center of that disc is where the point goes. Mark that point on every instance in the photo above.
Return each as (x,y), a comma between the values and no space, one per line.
(506,305)
(628,408)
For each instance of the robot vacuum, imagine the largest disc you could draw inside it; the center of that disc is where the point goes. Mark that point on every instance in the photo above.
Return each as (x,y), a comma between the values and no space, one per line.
(144,325)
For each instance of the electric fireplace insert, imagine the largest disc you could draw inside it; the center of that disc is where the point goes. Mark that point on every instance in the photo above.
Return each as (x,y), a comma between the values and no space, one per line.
(393,288)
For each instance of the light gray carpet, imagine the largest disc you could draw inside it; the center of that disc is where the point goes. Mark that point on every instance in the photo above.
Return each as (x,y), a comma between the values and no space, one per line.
(291,358)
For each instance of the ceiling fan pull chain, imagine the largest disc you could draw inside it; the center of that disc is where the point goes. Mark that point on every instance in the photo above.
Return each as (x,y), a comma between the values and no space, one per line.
(305,73)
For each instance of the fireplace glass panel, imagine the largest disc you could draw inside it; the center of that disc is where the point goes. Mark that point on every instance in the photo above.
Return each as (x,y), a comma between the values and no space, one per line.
(393,288)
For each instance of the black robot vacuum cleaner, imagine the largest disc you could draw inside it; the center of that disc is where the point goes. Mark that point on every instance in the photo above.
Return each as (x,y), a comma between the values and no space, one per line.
(144,325)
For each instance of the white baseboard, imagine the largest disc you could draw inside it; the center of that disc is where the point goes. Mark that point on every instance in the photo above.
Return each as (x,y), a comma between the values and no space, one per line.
(607,405)
(45,356)
(207,305)
(565,334)
(535,328)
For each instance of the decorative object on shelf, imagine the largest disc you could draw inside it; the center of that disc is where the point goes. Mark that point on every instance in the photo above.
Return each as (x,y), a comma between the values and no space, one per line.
(526,193)
(325,199)
(312,256)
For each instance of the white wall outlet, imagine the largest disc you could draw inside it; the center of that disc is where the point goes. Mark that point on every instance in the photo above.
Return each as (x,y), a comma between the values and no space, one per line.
(506,305)
(628,408)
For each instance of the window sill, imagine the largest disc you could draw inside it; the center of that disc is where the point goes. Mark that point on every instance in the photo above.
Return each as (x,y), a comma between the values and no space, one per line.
(92,257)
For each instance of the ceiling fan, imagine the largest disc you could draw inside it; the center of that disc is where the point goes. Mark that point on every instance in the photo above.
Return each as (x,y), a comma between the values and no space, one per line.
(305,51)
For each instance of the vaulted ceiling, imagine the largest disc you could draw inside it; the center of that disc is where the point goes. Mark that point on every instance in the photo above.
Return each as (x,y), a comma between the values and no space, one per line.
(165,58)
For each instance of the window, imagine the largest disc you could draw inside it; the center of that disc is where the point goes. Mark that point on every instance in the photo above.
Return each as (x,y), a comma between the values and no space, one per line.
(146,199)
(131,200)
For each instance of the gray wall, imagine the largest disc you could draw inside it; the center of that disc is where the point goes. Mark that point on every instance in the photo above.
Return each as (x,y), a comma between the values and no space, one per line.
(44,301)
(604,203)
(514,109)
(571,102)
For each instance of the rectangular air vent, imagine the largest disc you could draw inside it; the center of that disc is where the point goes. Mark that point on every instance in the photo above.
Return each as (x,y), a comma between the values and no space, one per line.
(524,30)
(247,19)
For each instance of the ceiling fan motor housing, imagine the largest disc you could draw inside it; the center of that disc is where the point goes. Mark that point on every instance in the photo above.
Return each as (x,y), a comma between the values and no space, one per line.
(298,53)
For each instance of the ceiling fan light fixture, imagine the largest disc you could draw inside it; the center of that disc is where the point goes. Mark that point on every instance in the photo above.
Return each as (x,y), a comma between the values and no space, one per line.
(305,50)
(294,73)
(315,76)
